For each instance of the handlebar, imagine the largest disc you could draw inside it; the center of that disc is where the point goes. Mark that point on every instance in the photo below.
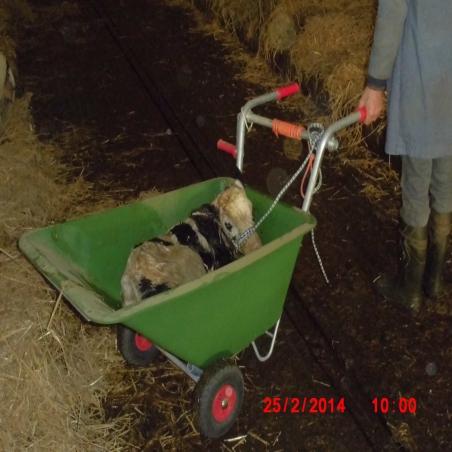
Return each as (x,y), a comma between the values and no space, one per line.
(287,129)
(353,118)
(363,113)
(287,90)
(227,147)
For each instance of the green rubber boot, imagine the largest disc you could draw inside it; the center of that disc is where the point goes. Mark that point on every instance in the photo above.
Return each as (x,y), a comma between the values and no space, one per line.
(405,288)
(439,228)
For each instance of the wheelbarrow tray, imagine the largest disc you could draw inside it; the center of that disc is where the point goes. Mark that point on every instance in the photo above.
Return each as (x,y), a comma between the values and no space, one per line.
(213,317)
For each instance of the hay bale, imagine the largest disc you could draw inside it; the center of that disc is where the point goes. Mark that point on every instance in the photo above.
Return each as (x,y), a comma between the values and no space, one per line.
(280,29)
(282,32)
(243,17)
(335,49)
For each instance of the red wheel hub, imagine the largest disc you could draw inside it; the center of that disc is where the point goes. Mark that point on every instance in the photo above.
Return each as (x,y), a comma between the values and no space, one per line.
(142,343)
(223,403)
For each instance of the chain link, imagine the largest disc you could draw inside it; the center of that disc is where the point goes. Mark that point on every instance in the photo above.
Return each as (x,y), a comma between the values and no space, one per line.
(314,137)
(315,133)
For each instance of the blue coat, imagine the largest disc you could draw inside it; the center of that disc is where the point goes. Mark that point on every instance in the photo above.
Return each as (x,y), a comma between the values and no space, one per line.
(412,52)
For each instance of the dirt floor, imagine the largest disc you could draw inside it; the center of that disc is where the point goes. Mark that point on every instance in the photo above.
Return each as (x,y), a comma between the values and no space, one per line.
(149,97)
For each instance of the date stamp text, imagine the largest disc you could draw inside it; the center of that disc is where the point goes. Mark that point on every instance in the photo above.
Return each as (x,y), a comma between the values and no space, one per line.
(303,405)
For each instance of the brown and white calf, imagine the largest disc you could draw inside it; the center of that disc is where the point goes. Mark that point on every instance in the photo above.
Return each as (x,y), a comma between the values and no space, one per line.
(201,243)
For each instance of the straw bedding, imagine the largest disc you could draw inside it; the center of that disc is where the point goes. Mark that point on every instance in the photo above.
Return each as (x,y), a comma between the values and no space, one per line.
(53,369)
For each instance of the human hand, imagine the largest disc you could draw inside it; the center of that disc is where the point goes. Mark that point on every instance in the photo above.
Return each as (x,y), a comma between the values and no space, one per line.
(372,101)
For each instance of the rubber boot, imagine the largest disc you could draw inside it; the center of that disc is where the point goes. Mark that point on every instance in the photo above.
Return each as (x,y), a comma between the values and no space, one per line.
(405,288)
(439,228)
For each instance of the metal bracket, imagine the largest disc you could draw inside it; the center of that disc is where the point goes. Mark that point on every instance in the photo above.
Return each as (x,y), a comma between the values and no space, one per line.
(191,370)
(273,336)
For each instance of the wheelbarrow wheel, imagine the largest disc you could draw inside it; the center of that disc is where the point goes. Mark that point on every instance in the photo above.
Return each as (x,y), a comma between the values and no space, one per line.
(217,398)
(135,348)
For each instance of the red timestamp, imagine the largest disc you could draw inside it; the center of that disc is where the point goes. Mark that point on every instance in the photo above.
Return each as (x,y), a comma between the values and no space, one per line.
(302,405)
(402,405)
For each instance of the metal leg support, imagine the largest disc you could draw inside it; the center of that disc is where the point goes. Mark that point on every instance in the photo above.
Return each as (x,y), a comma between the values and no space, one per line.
(191,370)
(273,336)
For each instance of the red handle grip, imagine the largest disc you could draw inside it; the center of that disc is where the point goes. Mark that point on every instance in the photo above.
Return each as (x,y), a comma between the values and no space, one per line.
(287,90)
(363,112)
(227,147)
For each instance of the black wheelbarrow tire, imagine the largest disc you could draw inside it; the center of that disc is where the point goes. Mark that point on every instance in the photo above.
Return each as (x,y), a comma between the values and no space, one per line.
(217,398)
(134,348)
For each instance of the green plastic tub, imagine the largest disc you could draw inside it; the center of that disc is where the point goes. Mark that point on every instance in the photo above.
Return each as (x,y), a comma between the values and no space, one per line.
(213,317)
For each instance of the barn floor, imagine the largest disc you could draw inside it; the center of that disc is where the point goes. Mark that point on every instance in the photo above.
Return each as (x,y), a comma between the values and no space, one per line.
(149,97)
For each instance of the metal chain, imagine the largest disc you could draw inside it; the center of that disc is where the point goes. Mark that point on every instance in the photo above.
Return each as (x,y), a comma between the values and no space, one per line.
(314,137)
(318,257)
(249,232)
(315,133)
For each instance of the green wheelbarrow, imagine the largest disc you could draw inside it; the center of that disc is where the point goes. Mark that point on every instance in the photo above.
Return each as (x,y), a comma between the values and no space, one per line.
(199,326)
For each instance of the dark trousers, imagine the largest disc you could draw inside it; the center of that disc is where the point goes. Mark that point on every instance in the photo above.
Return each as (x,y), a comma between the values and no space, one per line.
(426,184)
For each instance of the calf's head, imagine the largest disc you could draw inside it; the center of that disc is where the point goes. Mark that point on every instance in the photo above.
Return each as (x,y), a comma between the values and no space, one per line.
(235,213)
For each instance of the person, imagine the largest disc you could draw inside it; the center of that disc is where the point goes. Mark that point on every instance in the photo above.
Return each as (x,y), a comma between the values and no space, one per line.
(411,57)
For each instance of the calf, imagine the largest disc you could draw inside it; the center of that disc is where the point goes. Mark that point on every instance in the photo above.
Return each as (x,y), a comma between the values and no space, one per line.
(201,243)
